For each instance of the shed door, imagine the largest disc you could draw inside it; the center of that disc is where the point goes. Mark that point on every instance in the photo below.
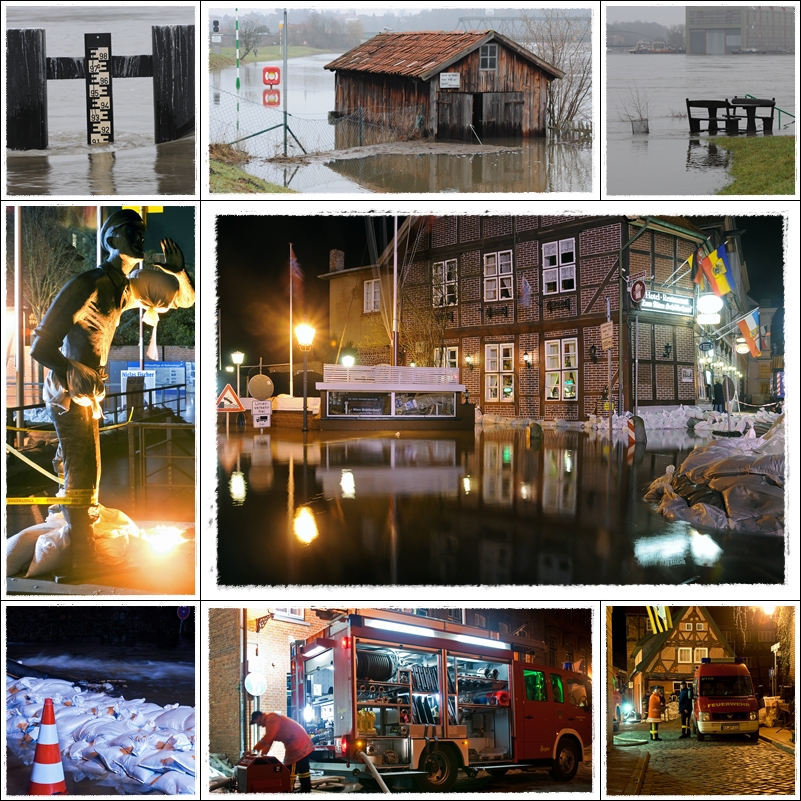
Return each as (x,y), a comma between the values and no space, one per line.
(454,115)
(503,114)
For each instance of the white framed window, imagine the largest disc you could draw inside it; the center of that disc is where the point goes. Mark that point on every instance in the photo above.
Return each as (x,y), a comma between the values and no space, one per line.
(700,626)
(559,266)
(294,613)
(699,654)
(685,656)
(561,369)
(499,372)
(688,626)
(447,356)
(766,636)
(372,295)
(488,57)
(445,283)
(498,276)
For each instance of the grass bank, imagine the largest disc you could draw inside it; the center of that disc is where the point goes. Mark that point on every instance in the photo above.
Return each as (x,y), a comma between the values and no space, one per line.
(760,165)
(227,55)
(225,175)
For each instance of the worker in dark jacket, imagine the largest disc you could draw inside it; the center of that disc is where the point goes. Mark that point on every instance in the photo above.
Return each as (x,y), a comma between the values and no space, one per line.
(719,399)
(298,744)
(685,709)
(655,713)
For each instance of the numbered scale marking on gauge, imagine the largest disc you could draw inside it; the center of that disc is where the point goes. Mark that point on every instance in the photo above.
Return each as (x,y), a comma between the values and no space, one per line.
(99,111)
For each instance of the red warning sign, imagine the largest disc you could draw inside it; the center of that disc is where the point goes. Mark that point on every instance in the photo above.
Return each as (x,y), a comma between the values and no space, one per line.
(271,76)
(271,97)
(229,401)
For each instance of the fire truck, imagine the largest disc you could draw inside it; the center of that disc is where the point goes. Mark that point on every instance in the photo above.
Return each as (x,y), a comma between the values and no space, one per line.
(391,698)
(723,699)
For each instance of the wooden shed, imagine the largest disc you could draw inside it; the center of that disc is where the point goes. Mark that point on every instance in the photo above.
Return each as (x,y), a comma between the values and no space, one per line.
(445,84)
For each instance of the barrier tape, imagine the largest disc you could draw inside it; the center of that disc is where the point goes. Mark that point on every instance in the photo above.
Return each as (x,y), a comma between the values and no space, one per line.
(75,497)
(762,406)
(52,430)
(32,464)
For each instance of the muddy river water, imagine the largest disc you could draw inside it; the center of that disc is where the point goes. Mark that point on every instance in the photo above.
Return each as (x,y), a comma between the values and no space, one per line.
(668,160)
(535,165)
(133,164)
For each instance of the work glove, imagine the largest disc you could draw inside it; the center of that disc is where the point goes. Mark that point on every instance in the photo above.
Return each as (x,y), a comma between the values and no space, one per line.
(173,260)
(86,387)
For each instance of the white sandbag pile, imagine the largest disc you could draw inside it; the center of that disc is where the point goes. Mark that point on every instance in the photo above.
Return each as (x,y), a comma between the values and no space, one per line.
(132,746)
(735,484)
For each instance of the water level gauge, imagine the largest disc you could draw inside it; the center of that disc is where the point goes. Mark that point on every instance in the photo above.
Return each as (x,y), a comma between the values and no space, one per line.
(99,112)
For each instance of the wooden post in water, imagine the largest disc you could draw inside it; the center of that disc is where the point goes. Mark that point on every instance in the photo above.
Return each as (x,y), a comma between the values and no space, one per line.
(173,81)
(26,89)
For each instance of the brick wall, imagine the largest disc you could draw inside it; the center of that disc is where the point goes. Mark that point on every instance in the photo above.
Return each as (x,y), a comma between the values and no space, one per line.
(665,382)
(526,223)
(471,346)
(597,240)
(224,676)
(527,254)
(496,226)
(469,228)
(550,220)
(443,231)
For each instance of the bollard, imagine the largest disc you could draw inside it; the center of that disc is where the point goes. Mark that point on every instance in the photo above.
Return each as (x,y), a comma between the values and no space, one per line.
(173,81)
(26,89)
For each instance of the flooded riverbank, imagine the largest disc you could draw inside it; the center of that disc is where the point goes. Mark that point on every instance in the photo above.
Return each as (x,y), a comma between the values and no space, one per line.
(520,165)
(669,160)
(494,507)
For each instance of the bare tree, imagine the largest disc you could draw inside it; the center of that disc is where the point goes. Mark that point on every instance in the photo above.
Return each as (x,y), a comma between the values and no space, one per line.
(250,33)
(676,36)
(563,39)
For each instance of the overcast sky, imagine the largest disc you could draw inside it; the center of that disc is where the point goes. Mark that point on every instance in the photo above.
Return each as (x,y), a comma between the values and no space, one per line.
(663,14)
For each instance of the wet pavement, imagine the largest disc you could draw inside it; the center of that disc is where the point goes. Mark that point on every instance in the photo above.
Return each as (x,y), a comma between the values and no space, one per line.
(490,507)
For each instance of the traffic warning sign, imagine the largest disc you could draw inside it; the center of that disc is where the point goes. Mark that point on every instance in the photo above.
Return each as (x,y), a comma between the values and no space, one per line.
(229,401)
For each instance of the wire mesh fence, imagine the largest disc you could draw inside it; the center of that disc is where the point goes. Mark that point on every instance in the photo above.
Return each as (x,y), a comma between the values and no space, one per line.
(261,130)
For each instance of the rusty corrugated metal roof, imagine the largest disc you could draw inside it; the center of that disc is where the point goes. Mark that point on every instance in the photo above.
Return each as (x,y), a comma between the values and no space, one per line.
(422,54)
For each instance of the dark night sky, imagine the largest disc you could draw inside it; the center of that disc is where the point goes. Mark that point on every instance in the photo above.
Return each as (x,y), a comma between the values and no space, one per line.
(253,266)
(252,276)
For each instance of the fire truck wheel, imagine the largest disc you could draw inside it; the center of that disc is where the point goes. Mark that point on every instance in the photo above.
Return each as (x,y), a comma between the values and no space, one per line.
(440,767)
(566,763)
(754,735)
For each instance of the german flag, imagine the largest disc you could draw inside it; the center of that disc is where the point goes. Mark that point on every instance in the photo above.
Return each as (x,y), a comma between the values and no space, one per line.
(660,618)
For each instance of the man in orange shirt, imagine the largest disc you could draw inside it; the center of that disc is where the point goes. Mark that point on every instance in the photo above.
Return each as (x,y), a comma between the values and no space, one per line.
(298,744)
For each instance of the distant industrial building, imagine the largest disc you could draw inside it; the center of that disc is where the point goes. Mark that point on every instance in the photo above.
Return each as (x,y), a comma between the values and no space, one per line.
(724,30)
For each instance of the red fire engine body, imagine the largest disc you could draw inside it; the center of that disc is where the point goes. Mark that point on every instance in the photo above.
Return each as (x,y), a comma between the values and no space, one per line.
(723,699)
(387,694)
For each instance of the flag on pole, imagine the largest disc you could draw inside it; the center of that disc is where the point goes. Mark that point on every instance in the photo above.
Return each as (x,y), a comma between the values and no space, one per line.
(295,271)
(525,301)
(723,278)
(749,327)
(660,618)
(706,266)
(765,343)
(696,272)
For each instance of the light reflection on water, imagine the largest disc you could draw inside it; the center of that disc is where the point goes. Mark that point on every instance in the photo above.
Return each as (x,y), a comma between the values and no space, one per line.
(494,507)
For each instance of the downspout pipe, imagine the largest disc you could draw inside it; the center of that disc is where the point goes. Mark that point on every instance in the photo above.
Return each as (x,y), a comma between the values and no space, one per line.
(376,775)
(243,633)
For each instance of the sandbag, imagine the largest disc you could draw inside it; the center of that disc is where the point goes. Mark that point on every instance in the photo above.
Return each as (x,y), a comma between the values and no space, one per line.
(174,718)
(173,783)
(20,548)
(702,515)
(153,289)
(50,551)
(724,482)
(743,501)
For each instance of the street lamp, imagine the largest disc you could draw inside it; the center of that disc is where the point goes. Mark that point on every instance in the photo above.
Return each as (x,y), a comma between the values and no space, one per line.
(305,334)
(237,357)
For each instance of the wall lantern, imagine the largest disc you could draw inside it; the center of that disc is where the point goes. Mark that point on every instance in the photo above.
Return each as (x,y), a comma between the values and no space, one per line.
(469,360)
(742,347)
(668,348)
(594,354)
(527,359)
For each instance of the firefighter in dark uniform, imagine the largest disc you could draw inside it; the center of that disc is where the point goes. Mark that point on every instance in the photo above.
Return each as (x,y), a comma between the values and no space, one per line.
(685,709)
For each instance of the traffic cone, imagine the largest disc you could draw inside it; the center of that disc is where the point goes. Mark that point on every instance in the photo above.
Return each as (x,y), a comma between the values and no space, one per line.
(48,772)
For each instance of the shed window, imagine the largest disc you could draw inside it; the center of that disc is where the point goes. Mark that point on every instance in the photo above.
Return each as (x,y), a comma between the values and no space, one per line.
(489,57)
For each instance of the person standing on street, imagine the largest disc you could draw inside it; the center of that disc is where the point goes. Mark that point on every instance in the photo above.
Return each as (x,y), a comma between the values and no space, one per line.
(685,709)
(298,744)
(719,399)
(655,713)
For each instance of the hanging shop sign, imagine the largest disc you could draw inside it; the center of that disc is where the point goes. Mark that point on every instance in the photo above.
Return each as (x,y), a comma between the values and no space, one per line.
(704,346)
(667,303)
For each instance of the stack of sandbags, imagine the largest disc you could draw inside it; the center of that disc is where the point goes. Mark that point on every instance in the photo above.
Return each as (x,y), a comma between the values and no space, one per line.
(116,743)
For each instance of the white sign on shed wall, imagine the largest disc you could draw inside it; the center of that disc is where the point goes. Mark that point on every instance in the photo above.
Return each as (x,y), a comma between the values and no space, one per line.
(449,80)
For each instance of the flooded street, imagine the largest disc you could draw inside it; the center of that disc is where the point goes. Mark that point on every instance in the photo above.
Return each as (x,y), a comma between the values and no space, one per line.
(494,507)
(668,160)
(132,163)
(536,165)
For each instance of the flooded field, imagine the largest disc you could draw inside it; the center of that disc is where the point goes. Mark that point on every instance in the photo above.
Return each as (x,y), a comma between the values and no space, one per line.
(536,165)
(668,160)
(133,163)
(494,507)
